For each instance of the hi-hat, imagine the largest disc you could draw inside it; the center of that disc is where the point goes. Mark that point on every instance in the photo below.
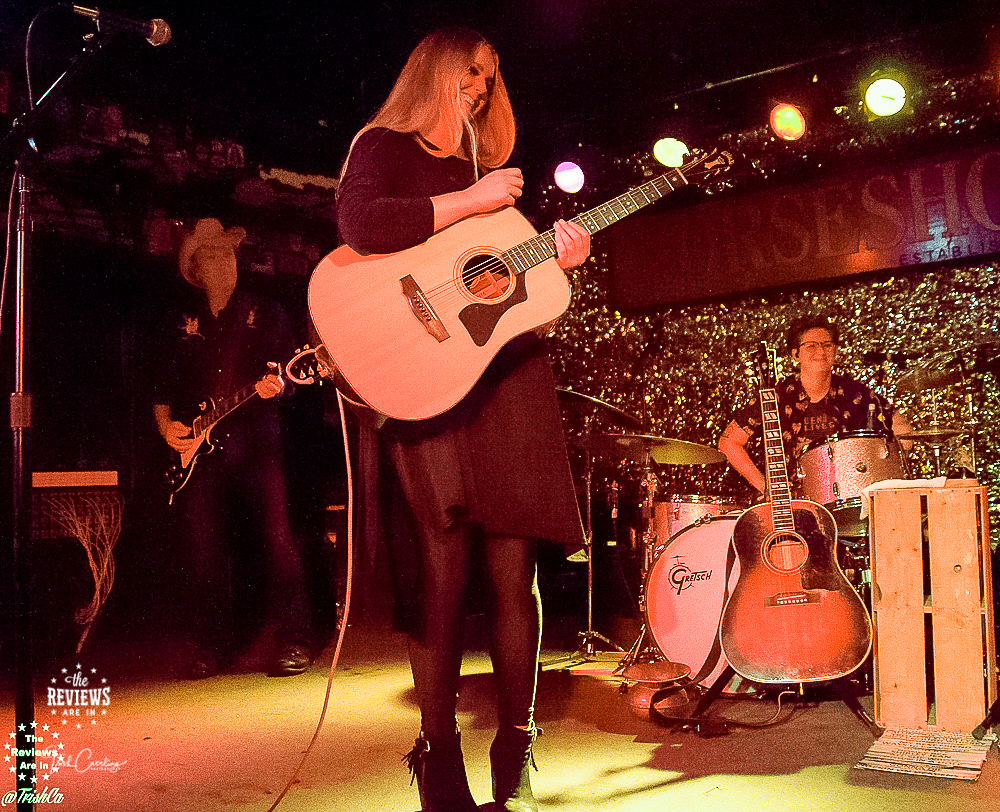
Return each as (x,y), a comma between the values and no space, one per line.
(933,435)
(663,450)
(580,399)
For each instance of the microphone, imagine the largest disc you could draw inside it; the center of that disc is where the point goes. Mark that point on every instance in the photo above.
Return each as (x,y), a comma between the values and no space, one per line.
(155,32)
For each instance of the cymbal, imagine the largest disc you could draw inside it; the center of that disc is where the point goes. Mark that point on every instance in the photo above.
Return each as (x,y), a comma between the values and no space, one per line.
(920,378)
(661,449)
(934,435)
(682,452)
(578,398)
(662,671)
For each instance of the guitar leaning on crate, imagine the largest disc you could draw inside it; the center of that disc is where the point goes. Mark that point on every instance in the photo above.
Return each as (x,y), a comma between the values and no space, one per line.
(412,332)
(305,367)
(793,615)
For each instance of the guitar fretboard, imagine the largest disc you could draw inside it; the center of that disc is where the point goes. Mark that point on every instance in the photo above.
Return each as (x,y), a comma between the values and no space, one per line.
(206,420)
(528,254)
(774,459)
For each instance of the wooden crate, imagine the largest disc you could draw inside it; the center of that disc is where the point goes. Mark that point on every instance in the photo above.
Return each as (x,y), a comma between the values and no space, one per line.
(932,607)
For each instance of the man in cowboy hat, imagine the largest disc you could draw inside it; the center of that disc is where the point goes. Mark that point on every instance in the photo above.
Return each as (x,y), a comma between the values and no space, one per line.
(219,346)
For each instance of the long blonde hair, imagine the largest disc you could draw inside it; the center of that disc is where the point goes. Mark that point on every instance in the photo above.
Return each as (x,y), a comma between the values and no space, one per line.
(427,91)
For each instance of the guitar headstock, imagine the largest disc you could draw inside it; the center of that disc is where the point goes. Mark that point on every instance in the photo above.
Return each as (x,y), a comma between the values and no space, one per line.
(702,165)
(310,364)
(767,366)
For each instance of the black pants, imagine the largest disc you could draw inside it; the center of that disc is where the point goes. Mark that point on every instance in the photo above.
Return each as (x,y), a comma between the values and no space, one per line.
(243,485)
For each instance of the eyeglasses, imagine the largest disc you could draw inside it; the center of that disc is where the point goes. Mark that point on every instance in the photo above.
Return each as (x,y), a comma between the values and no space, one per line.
(815,345)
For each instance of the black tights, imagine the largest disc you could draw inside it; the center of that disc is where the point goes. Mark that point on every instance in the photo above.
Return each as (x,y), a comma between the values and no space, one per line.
(515,615)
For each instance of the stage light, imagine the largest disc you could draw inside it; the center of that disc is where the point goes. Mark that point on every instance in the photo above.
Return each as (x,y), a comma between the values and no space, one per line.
(787,121)
(886,93)
(569,177)
(670,151)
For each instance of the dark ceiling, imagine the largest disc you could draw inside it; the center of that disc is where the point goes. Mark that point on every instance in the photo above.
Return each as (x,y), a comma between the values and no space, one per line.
(293,83)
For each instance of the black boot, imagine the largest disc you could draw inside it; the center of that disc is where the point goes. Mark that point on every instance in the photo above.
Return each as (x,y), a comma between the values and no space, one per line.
(439,770)
(510,757)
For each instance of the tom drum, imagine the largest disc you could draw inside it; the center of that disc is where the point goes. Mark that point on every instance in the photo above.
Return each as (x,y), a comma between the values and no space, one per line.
(835,473)
(674,513)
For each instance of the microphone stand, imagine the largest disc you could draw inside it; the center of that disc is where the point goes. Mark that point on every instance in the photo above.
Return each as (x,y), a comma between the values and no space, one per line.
(20,141)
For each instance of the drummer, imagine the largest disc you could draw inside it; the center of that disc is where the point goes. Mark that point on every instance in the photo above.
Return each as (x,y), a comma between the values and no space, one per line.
(814,403)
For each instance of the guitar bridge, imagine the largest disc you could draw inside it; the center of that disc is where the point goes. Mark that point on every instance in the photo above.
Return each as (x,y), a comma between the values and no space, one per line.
(790,598)
(422,309)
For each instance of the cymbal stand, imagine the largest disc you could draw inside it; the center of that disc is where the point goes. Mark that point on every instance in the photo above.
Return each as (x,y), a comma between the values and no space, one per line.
(970,407)
(935,446)
(587,649)
(642,647)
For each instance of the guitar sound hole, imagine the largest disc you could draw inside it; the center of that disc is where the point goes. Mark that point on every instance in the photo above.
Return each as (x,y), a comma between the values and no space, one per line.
(486,277)
(785,553)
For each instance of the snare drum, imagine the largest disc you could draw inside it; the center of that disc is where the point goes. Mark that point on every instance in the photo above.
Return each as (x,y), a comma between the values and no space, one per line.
(836,472)
(673,514)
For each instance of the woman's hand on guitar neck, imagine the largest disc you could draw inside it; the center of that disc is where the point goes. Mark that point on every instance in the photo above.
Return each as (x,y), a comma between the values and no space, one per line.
(572,244)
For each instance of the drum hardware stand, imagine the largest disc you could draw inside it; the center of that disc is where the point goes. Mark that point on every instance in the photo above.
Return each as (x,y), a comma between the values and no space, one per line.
(644,661)
(587,651)
(587,638)
(714,726)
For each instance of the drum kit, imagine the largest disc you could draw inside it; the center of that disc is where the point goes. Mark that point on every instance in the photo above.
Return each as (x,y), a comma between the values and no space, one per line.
(683,638)
(688,566)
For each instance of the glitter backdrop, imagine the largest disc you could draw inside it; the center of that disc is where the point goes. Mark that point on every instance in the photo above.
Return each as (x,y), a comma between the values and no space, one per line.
(681,370)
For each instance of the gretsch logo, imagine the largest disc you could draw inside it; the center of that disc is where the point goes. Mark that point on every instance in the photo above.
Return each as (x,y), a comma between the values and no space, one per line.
(682,577)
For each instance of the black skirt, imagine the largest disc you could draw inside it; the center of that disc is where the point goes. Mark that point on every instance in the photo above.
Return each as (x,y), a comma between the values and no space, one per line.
(496,462)
(498,459)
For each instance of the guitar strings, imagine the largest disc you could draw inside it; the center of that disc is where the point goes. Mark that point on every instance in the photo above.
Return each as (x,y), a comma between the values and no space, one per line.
(451,290)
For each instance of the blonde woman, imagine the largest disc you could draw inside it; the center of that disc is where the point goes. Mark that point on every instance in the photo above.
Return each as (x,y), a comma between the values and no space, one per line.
(489,478)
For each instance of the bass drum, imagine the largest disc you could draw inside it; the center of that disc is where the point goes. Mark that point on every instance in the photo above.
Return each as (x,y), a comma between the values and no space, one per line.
(685,592)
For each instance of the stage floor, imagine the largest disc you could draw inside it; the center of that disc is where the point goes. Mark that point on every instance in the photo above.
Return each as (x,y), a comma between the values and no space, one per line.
(232,742)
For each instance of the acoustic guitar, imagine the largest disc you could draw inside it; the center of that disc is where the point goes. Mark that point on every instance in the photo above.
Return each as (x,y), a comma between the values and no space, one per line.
(793,615)
(412,332)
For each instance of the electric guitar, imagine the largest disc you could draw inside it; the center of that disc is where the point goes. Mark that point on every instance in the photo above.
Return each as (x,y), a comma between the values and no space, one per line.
(412,332)
(305,367)
(793,615)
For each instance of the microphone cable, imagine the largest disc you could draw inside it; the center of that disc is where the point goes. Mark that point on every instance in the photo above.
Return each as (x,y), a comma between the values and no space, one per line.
(347,607)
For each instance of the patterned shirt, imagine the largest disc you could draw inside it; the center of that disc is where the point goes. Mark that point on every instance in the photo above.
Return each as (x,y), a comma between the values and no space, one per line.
(845,406)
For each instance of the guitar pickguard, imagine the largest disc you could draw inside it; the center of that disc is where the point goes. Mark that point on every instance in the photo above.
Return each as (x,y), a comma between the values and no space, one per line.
(481,319)
(485,277)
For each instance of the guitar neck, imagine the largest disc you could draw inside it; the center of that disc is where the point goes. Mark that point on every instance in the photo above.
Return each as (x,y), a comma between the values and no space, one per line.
(220,409)
(774,457)
(528,254)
